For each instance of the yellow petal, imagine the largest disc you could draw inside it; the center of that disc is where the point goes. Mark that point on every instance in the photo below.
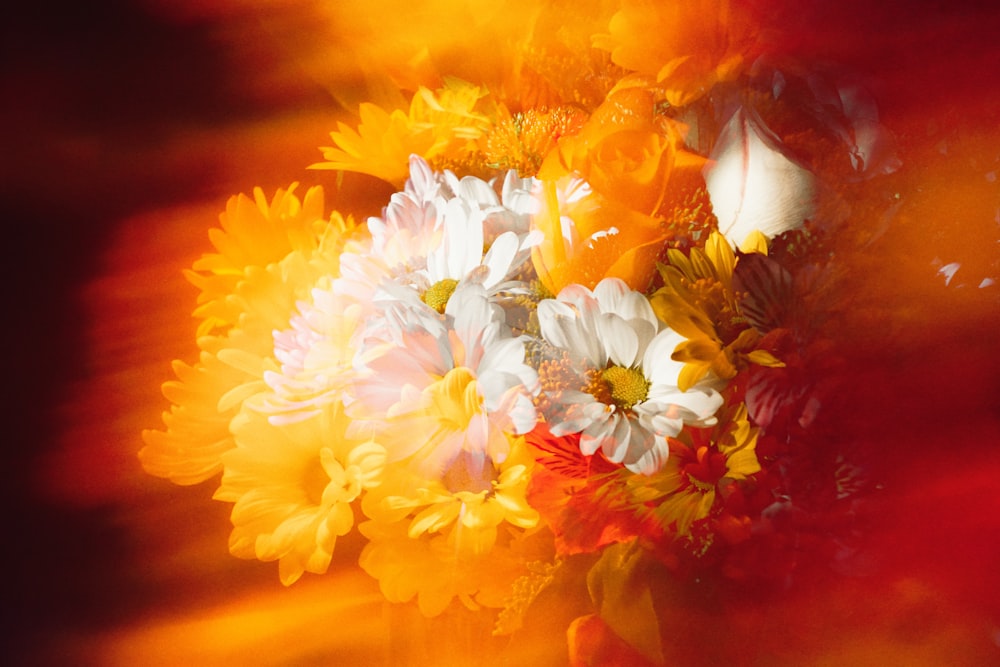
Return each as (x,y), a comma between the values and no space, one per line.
(765,358)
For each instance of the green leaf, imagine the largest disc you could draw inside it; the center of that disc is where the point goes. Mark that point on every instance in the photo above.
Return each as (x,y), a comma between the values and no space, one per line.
(619,586)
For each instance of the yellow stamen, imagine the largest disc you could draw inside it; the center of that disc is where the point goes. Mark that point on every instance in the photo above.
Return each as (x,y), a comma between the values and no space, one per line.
(437,295)
(627,386)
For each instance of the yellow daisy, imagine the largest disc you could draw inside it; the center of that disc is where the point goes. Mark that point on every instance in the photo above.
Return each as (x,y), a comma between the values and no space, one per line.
(687,487)
(698,302)
(442,127)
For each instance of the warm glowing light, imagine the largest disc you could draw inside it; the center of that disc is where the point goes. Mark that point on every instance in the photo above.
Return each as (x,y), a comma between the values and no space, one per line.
(856,325)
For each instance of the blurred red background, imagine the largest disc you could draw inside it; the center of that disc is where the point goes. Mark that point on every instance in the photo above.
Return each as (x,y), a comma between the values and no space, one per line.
(126,125)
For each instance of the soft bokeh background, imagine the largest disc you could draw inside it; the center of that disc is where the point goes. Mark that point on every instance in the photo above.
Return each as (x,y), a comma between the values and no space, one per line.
(126,125)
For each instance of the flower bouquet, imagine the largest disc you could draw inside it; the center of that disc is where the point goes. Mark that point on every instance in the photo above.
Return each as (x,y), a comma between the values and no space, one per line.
(582,362)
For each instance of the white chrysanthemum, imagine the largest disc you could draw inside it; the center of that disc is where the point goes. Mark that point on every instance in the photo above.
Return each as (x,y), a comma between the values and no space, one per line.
(438,386)
(620,389)
(317,355)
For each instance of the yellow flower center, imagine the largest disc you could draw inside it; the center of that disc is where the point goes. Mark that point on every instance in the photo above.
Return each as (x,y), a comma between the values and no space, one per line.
(626,386)
(719,305)
(455,398)
(437,295)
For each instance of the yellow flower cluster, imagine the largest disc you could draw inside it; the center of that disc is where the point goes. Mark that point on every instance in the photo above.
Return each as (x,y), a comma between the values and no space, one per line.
(269,254)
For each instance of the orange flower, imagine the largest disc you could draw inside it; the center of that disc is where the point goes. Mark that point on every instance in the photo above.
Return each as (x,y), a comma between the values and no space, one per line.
(626,153)
(589,237)
(522,140)
(254,233)
(269,255)
(687,46)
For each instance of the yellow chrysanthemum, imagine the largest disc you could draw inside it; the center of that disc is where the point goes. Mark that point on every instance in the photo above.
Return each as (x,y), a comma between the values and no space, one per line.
(252,233)
(442,126)
(430,570)
(436,536)
(698,302)
(467,502)
(293,485)
(243,303)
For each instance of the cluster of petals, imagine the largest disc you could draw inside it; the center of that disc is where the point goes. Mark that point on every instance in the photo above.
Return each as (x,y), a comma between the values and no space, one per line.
(459,381)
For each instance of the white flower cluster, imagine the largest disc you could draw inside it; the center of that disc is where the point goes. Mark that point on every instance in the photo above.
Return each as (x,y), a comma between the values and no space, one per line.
(433,339)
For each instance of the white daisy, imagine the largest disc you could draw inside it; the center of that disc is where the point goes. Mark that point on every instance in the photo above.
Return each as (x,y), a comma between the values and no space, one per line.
(410,228)
(511,212)
(619,385)
(437,234)
(442,231)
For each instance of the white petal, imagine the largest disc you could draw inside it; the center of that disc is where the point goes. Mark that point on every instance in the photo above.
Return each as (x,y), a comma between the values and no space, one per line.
(619,340)
(500,258)
(657,365)
(476,190)
(610,292)
(652,459)
(615,296)
(563,327)
(753,185)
